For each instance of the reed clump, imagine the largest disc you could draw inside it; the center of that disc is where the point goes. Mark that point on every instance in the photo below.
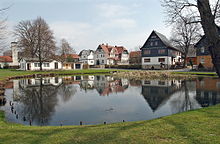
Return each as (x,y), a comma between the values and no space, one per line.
(151,75)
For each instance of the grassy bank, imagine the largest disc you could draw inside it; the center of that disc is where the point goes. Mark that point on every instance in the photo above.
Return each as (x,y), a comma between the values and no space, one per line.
(6,73)
(197,73)
(199,126)
(143,74)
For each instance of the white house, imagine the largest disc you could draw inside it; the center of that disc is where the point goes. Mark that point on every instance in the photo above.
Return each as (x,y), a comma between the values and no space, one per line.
(111,55)
(33,64)
(87,57)
(158,53)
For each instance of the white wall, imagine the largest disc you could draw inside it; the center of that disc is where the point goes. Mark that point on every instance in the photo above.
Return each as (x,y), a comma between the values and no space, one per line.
(100,55)
(24,65)
(154,60)
(14,50)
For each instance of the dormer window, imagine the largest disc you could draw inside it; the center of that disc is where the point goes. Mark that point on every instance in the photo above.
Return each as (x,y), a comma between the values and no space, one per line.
(147,52)
(202,49)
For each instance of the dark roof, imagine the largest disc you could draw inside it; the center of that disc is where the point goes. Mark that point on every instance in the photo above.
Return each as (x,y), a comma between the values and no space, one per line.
(164,40)
(86,51)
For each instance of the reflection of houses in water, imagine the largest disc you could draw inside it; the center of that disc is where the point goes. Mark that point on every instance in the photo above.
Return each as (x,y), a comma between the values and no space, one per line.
(156,92)
(18,85)
(37,98)
(71,79)
(87,82)
(104,85)
(208,91)
(135,83)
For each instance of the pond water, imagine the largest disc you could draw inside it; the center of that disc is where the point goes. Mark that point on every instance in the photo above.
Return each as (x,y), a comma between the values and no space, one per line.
(98,99)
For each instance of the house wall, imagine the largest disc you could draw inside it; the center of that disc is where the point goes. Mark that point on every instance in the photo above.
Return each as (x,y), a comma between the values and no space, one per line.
(154,61)
(124,58)
(193,59)
(100,57)
(24,65)
(87,58)
(206,61)
(91,60)
(2,64)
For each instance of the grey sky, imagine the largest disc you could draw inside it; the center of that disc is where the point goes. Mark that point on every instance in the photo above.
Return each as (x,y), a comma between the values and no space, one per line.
(87,23)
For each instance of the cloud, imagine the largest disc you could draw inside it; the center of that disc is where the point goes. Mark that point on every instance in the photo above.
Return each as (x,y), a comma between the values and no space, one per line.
(107,10)
(74,32)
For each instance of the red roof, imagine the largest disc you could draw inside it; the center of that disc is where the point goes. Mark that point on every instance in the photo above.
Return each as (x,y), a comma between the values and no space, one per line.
(107,48)
(120,49)
(135,54)
(5,59)
(75,56)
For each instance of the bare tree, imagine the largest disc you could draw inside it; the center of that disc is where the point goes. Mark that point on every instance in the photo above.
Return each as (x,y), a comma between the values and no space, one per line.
(185,35)
(3,30)
(36,39)
(205,12)
(66,48)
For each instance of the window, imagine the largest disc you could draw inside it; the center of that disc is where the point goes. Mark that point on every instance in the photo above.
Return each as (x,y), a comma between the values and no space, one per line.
(202,49)
(161,51)
(161,59)
(161,82)
(147,52)
(151,43)
(147,82)
(153,37)
(156,43)
(146,60)
(103,61)
(202,60)
(36,64)
(46,65)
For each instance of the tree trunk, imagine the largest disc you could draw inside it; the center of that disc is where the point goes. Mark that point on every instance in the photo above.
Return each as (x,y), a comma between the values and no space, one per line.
(184,62)
(211,32)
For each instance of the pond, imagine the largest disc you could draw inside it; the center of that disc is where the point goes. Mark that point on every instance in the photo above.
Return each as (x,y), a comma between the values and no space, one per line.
(89,100)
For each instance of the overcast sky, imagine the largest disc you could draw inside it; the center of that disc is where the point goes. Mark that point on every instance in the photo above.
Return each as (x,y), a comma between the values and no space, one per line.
(88,23)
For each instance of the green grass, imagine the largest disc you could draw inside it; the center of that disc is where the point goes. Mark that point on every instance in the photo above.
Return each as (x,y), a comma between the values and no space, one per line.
(200,127)
(197,73)
(5,73)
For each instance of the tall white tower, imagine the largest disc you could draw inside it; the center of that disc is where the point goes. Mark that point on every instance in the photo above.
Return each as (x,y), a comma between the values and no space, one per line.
(14,49)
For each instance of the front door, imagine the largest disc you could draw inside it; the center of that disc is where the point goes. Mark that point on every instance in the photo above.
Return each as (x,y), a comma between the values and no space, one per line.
(56,65)
(78,66)
(28,66)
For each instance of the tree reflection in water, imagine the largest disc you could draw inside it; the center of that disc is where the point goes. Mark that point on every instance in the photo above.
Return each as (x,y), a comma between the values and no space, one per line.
(39,99)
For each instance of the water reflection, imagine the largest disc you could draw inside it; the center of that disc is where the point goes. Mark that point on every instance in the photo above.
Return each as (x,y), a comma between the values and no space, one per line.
(97,99)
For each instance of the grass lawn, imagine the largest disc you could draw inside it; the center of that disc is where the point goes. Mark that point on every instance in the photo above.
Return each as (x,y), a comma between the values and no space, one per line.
(198,126)
(198,73)
(4,73)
